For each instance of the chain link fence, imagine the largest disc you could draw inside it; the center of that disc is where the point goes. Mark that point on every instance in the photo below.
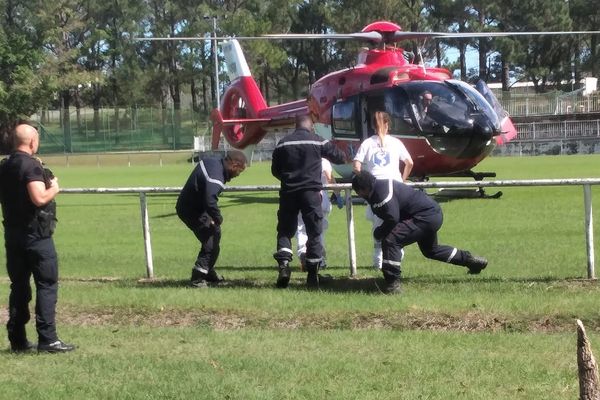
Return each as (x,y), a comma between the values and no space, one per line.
(119,129)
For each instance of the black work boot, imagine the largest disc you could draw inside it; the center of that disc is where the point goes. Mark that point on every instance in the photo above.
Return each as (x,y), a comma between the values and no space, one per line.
(391,276)
(475,264)
(312,280)
(198,279)
(392,286)
(283,279)
(213,277)
(312,276)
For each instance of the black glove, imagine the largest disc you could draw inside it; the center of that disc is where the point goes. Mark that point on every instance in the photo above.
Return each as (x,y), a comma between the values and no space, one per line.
(379,233)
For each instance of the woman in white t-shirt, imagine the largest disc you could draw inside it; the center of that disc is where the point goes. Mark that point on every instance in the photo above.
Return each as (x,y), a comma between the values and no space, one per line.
(381,154)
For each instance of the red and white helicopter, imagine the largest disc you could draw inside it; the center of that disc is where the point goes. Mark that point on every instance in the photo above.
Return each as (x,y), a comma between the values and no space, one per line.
(463,124)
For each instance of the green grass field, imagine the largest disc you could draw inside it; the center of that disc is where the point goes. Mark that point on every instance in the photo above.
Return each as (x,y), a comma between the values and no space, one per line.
(508,333)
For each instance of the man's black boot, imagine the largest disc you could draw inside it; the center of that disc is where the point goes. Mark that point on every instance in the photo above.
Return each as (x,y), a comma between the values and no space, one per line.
(392,286)
(475,264)
(283,279)
(391,276)
(213,277)
(198,279)
(312,276)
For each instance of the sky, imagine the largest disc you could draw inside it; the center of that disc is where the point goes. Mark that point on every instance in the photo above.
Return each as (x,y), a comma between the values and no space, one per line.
(472,56)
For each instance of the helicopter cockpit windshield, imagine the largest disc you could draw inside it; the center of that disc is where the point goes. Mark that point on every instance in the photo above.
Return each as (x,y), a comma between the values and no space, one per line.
(450,108)
(455,118)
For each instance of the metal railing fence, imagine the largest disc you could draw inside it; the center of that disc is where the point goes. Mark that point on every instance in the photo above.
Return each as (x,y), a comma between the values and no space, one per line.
(550,104)
(143,191)
(558,130)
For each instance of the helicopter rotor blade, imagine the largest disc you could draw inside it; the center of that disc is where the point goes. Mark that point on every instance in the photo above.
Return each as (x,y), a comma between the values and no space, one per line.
(504,34)
(372,36)
(196,38)
(401,35)
(366,36)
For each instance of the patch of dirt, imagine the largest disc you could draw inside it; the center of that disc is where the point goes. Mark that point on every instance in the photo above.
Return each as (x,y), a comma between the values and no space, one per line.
(227,320)
(411,320)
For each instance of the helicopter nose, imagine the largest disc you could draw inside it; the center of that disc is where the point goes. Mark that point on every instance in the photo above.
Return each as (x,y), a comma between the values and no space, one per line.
(487,131)
(485,128)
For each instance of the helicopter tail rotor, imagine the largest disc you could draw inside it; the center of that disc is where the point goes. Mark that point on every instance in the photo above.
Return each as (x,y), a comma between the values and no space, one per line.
(241,102)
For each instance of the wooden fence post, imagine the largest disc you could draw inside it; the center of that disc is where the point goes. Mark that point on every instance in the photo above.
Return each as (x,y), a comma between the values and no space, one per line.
(589,384)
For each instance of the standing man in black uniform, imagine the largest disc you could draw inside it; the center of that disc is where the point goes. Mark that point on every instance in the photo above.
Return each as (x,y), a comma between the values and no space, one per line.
(297,164)
(198,209)
(408,216)
(27,193)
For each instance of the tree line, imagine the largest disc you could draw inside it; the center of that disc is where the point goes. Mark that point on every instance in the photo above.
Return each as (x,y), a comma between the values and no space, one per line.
(84,53)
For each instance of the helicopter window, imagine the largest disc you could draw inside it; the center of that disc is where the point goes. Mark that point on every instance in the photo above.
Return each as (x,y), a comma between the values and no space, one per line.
(344,119)
(481,105)
(439,108)
(393,101)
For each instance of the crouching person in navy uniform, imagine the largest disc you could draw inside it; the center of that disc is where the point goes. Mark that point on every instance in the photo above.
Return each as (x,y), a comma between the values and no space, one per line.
(27,192)
(408,216)
(297,165)
(197,207)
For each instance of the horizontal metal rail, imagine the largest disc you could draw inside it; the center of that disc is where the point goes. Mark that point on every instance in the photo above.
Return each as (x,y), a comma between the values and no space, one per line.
(142,191)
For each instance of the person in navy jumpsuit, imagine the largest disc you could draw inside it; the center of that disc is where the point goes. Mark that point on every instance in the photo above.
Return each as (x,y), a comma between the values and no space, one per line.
(197,207)
(409,216)
(297,165)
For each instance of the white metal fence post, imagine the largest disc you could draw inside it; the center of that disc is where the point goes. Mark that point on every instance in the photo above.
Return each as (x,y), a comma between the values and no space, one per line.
(589,230)
(350,221)
(146,229)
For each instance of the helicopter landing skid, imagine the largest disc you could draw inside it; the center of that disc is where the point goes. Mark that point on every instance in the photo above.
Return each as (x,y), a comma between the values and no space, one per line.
(478,193)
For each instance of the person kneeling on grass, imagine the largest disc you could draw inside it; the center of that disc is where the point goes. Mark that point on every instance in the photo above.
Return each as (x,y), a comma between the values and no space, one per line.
(408,216)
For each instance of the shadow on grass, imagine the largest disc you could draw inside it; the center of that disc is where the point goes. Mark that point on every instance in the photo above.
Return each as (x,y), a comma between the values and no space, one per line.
(337,285)
(237,198)
(167,215)
(493,279)
(8,352)
(349,284)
